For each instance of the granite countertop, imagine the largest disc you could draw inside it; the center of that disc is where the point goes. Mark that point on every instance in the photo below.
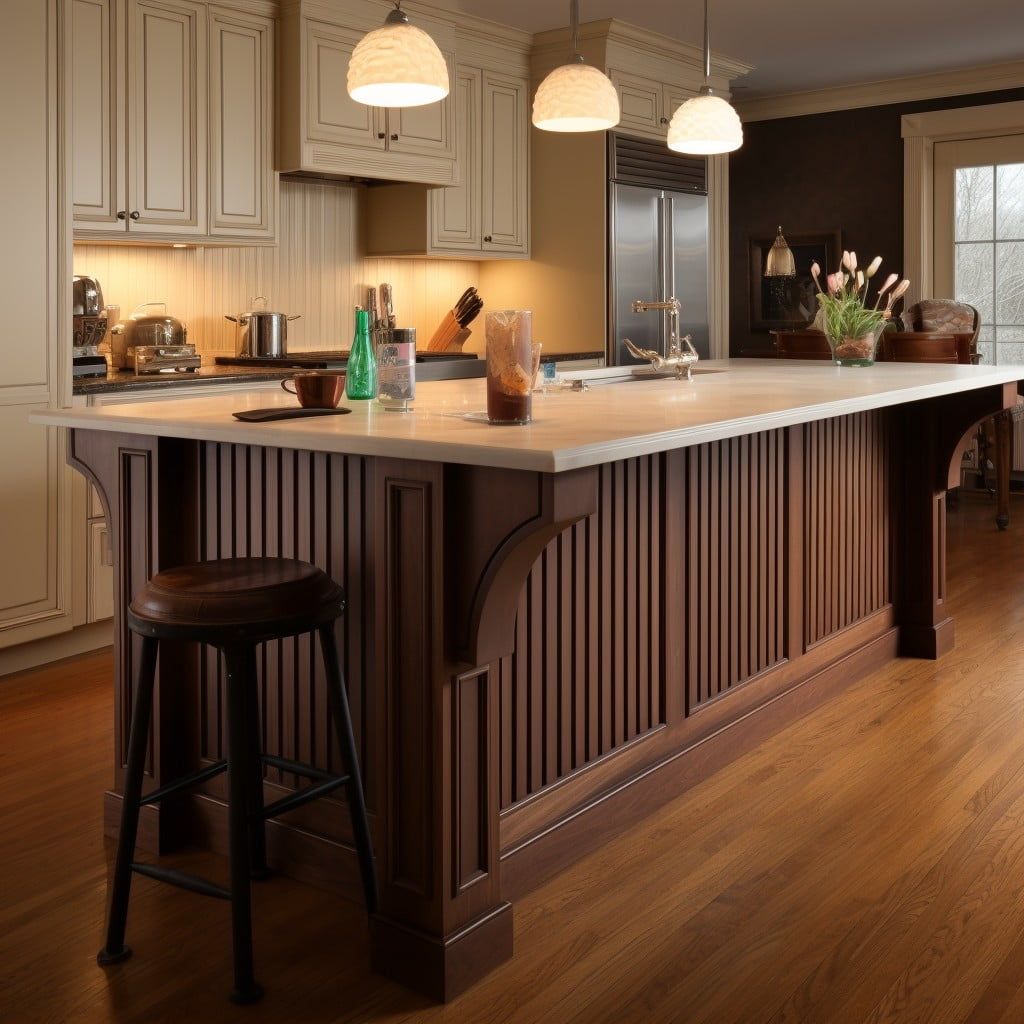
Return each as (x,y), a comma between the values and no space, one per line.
(124,380)
(632,417)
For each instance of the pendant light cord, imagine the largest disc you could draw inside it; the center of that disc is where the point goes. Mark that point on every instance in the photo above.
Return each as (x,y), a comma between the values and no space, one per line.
(707,45)
(574,29)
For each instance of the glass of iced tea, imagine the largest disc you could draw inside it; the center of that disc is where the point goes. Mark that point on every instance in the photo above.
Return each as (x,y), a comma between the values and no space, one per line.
(510,368)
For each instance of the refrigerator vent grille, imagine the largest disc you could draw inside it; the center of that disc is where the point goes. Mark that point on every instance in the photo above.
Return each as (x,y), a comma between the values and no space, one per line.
(644,162)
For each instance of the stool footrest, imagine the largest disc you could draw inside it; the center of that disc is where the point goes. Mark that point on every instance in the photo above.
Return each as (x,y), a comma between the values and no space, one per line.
(286,764)
(182,879)
(184,782)
(302,796)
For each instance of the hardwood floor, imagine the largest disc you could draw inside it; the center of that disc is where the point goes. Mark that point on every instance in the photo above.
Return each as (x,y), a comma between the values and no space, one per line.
(866,865)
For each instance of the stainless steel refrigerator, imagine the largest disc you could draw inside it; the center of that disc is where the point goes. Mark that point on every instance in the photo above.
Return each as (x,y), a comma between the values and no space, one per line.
(658,247)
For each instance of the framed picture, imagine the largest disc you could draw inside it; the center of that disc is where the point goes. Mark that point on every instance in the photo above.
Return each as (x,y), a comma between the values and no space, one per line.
(789,302)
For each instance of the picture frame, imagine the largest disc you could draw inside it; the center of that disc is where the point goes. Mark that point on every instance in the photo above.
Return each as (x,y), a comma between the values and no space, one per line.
(789,303)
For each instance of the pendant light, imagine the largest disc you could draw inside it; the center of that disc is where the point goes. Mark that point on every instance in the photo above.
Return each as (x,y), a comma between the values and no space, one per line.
(705,124)
(780,262)
(397,65)
(575,97)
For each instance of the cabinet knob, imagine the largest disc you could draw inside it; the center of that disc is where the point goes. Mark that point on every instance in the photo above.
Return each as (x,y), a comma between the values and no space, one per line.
(122,214)
(134,215)
(394,138)
(663,120)
(487,238)
(381,135)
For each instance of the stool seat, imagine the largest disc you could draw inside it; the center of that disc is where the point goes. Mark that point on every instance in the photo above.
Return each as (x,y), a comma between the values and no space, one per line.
(235,599)
(233,605)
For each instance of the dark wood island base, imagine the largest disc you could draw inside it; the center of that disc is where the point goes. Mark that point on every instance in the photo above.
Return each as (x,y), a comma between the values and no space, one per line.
(535,660)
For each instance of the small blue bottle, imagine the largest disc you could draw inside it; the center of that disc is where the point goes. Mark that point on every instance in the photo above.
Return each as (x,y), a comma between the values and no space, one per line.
(361,371)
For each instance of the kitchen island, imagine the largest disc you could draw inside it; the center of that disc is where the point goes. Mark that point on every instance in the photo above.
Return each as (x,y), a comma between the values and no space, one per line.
(551,629)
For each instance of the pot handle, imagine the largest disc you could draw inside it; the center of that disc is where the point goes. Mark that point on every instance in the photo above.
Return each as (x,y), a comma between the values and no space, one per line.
(296,317)
(259,298)
(233,319)
(143,305)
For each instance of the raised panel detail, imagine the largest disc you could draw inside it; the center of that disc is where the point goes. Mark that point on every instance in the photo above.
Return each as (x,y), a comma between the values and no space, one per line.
(847,564)
(735,563)
(586,675)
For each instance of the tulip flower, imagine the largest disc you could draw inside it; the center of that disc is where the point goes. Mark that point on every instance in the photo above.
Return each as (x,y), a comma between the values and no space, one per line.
(846,313)
(889,282)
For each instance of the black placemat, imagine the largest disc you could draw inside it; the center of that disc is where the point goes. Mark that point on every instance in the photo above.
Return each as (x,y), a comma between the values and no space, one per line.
(277,413)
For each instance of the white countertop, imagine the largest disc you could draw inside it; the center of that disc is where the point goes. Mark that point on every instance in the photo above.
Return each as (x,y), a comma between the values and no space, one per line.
(569,429)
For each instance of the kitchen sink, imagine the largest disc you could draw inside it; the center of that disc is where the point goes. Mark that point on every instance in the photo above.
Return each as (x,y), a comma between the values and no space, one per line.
(629,375)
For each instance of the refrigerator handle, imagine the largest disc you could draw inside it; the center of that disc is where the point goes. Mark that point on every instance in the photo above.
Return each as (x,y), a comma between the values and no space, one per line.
(665,255)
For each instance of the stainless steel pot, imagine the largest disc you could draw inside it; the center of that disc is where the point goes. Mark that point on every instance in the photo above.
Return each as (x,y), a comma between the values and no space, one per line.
(261,332)
(152,328)
(86,296)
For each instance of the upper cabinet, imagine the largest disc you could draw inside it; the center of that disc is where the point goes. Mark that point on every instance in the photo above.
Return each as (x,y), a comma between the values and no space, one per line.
(487,215)
(171,121)
(322,131)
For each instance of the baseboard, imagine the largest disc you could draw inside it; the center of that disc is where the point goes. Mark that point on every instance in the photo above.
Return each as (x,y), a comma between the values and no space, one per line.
(82,640)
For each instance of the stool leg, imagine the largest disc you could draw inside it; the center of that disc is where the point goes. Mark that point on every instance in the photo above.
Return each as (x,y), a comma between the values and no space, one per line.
(240,665)
(257,823)
(346,739)
(115,950)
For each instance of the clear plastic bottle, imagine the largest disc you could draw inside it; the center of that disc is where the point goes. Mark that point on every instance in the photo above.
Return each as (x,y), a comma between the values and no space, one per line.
(361,372)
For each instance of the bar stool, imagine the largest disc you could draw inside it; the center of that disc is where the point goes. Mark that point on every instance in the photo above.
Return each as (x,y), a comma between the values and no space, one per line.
(235,604)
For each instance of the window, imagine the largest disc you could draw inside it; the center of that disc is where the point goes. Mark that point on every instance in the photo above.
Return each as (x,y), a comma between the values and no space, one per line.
(988,254)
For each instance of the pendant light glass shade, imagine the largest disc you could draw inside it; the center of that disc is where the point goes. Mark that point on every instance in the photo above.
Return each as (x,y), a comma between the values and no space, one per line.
(707,123)
(397,65)
(704,125)
(780,262)
(575,97)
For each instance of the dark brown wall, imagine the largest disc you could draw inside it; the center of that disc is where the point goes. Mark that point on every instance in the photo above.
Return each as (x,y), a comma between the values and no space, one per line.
(818,173)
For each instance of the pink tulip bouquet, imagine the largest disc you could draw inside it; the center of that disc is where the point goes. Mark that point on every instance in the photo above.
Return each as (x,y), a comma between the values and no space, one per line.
(850,322)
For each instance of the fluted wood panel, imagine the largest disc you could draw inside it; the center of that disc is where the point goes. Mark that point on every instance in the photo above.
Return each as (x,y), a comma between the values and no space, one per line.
(315,270)
(587,673)
(307,505)
(734,523)
(847,561)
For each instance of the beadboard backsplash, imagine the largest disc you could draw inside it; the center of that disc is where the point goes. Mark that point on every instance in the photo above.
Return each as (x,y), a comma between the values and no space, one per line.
(315,271)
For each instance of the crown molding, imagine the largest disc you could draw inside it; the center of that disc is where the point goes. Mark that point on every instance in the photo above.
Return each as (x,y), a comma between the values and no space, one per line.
(990,78)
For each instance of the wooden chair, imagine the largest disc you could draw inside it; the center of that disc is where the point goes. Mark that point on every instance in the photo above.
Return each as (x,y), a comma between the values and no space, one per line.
(921,347)
(801,345)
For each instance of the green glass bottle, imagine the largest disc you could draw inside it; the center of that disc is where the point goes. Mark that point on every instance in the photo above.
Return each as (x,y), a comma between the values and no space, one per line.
(361,372)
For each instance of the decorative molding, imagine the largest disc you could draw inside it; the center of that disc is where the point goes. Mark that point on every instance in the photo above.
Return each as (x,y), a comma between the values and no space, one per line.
(990,78)
(718,255)
(920,133)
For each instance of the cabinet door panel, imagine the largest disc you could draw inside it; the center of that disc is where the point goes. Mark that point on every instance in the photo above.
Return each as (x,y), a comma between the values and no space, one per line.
(29,502)
(241,128)
(166,133)
(424,131)
(97,117)
(455,212)
(505,165)
(641,102)
(332,115)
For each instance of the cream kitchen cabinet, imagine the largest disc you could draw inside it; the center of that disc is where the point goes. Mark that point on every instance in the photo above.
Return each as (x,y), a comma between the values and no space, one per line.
(646,105)
(486,216)
(324,132)
(171,121)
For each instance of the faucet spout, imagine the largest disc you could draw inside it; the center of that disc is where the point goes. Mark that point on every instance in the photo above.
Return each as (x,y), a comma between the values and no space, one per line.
(681,353)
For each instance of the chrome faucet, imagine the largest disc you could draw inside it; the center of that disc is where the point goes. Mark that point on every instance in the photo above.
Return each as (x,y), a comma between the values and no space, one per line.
(679,357)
